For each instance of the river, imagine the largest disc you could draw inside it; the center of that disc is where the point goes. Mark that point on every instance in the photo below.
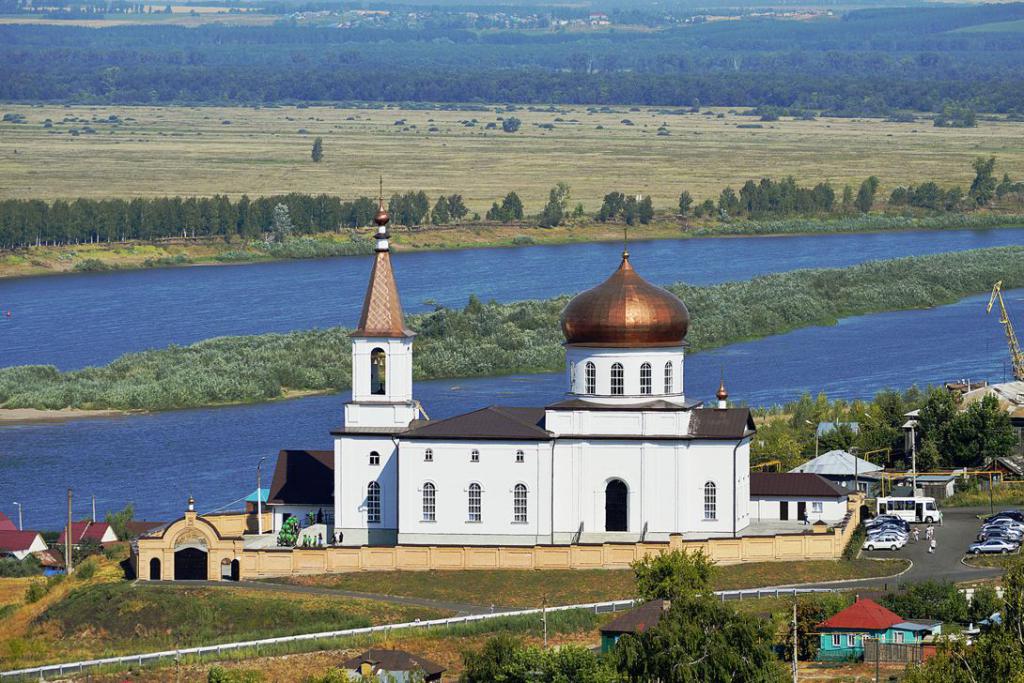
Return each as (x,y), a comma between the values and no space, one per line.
(158,460)
(72,321)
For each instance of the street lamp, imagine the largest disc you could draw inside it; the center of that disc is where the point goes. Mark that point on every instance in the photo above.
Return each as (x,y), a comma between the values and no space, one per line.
(259,496)
(815,436)
(19,516)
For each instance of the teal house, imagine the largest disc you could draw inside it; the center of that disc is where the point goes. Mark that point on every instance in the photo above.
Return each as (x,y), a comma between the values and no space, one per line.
(633,622)
(842,636)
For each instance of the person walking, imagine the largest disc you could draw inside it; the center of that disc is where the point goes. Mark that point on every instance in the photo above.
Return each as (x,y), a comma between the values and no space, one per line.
(931,546)
(917,535)
(930,533)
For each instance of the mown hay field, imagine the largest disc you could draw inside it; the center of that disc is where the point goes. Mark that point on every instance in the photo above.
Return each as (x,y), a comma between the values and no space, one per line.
(156,151)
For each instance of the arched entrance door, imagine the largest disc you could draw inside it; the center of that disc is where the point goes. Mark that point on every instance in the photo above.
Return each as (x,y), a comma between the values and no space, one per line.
(190,557)
(616,506)
(236,570)
(154,569)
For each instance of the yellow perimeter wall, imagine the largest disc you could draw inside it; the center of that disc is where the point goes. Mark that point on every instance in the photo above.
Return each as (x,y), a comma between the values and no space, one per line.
(818,543)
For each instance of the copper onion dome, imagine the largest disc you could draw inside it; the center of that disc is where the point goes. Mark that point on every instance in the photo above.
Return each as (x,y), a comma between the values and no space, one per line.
(625,311)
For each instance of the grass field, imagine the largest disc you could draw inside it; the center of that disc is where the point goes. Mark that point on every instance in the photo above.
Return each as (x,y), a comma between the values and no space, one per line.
(157,151)
(511,588)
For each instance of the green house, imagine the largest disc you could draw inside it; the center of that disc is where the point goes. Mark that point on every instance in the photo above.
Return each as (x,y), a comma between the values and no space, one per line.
(842,636)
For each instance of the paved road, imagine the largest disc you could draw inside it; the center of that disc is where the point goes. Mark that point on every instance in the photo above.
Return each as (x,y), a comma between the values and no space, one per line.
(958,530)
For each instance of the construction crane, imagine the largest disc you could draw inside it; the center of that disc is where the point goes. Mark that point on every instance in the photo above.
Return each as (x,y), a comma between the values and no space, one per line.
(1016,356)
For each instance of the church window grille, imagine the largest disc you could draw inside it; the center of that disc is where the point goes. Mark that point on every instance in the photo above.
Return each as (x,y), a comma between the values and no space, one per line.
(520,456)
(590,371)
(373,503)
(428,455)
(645,378)
(668,377)
(710,500)
(374,458)
(429,502)
(618,380)
(475,503)
(519,504)
(474,456)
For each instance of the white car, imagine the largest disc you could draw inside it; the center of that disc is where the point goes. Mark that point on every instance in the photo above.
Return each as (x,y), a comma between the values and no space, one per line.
(992,545)
(888,540)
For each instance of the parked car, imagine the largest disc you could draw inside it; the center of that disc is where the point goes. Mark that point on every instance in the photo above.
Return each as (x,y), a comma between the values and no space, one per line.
(992,545)
(890,540)
(887,519)
(1007,514)
(1004,524)
(888,529)
(1002,528)
(1013,539)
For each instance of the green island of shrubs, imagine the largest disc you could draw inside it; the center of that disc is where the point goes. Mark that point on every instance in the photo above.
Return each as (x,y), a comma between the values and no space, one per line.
(489,339)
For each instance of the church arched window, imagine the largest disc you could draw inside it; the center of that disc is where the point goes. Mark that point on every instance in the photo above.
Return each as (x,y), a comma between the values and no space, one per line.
(378,371)
(645,378)
(710,500)
(618,380)
(374,458)
(428,455)
(373,503)
(429,502)
(474,455)
(475,503)
(668,378)
(590,378)
(519,504)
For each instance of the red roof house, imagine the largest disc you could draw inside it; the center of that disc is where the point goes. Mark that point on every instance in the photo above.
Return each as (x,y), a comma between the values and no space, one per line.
(101,532)
(20,543)
(863,615)
(6,524)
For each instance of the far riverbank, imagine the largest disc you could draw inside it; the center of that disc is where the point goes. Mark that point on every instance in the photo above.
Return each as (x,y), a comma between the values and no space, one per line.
(133,255)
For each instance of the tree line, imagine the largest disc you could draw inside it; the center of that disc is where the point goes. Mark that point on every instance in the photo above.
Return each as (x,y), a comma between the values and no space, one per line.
(904,59)
(26,223)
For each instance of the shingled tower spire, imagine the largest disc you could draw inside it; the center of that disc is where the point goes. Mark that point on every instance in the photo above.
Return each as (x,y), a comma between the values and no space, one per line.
(382,308)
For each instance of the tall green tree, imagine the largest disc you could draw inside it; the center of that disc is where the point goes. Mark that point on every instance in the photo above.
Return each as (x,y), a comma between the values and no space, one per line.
(317,153)
(983,187)
(866,194)
(685,202)
(672,575)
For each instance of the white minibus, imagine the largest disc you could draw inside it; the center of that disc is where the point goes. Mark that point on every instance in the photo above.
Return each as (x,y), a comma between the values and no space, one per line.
(912,509)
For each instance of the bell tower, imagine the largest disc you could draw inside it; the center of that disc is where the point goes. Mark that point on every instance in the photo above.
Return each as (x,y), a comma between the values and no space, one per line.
(381,347)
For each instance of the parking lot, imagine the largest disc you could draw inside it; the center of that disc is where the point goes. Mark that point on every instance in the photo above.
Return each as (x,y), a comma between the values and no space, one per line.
(958,530)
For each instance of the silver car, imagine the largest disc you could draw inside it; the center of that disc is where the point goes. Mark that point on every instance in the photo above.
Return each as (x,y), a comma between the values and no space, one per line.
(992,545)
(889,540)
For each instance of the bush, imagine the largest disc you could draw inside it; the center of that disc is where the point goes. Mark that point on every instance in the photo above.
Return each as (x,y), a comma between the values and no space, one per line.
(672,575)
(85,571)
(219,674)
(36,591)
(11,567)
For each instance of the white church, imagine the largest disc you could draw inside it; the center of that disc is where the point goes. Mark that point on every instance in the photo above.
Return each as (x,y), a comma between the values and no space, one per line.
(625,456)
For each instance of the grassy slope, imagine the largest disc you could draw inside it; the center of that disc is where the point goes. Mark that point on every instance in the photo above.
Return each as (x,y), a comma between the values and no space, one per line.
(511,588)
(494,339)
(109,618)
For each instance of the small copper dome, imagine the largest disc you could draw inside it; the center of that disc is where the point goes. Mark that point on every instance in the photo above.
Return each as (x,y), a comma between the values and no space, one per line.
(722,394)
(382,217)
(625,311)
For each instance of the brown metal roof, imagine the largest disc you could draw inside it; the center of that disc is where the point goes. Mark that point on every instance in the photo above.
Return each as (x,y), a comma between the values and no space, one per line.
(394,660)
(798,484)
(492,422)
(721,423)
(638,620)
(303,478)
(382,308)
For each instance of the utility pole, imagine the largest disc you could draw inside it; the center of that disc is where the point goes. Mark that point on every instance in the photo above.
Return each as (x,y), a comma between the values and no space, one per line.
(94,508)
(544,618)
(795,642)
(259,496)
(20,527)
(913,460)
(67,540)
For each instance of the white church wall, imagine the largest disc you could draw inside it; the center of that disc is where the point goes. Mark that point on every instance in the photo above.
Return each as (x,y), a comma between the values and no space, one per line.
(451,470)
(712,461)
(630,423)
(353,472)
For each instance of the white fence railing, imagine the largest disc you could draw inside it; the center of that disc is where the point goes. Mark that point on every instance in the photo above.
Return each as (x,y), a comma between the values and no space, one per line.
(40,672)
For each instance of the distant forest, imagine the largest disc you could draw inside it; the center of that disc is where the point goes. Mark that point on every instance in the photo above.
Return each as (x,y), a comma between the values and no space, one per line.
(868,62)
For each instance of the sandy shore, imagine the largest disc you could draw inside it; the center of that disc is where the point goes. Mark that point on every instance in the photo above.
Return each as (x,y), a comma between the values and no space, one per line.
(25,415)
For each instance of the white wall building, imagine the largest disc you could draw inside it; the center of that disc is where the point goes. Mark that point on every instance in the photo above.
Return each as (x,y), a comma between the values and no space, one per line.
(806,498)
(624,456)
